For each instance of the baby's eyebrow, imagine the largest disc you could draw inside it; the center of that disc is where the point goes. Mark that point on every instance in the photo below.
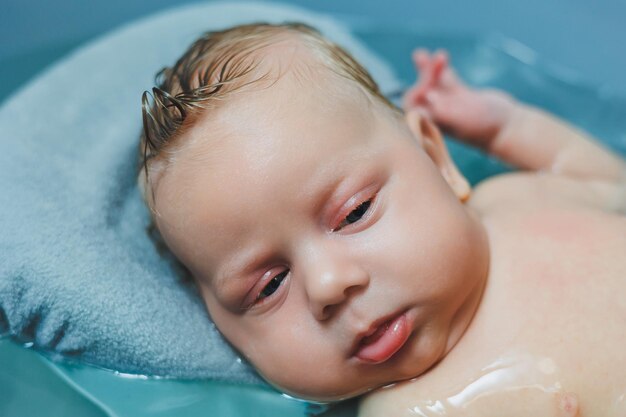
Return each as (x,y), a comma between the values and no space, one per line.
(244,261)
(240,266)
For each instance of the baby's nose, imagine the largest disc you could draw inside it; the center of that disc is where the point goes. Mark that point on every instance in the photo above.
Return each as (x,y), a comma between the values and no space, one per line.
(330,282)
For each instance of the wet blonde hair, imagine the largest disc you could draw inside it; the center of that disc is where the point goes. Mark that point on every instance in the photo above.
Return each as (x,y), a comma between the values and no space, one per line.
(214,67)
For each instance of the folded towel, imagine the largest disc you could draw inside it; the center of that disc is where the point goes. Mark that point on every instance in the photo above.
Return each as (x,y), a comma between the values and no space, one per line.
(79,275)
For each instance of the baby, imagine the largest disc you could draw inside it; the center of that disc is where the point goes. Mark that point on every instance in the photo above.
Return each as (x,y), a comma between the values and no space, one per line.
(339,249)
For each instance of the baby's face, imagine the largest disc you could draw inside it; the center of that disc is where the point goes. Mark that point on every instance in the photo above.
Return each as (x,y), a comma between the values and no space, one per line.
(328,247)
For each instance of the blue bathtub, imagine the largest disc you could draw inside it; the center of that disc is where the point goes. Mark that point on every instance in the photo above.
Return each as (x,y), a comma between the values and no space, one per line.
(33,385)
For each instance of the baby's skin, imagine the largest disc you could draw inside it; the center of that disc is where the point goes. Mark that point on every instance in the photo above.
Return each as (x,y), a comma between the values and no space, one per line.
(338,248)
(548,337)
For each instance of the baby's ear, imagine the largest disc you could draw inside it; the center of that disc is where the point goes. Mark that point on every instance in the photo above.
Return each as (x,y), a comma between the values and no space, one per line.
(428,135)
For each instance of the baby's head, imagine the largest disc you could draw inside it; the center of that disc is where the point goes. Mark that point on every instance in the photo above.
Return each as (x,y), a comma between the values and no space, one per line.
(325,230)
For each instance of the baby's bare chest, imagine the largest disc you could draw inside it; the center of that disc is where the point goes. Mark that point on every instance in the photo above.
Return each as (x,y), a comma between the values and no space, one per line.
(560,265)
(558,298)
(549,336)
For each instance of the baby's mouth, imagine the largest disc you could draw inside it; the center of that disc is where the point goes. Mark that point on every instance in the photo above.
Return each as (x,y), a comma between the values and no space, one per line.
(382,342)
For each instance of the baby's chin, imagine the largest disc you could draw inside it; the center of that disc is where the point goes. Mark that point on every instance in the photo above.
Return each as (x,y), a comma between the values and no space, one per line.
(322,393)
(338,395)
(430,350)
(329,398)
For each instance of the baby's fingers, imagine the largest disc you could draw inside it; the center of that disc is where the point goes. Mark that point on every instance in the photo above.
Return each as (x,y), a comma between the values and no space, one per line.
(439,65)
(430,68)
(423,66)
(421,59)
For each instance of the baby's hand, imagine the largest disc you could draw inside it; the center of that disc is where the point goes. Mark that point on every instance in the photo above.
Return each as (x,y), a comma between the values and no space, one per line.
(474,116)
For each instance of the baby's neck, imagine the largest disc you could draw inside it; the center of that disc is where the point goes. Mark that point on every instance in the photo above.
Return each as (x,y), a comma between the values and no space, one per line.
(464,315)
(467,312)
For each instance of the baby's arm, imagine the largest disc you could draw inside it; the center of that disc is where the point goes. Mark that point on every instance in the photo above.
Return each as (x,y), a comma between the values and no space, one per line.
(521,135)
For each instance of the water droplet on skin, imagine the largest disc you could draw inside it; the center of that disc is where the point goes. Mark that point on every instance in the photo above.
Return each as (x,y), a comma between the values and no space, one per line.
(518,379)
(547,366)
(506,376)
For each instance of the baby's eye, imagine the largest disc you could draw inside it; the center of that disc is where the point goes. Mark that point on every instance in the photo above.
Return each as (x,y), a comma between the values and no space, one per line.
(355,215)
(273,285)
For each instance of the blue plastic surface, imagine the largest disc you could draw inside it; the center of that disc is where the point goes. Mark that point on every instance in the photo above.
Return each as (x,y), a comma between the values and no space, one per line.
(32,385)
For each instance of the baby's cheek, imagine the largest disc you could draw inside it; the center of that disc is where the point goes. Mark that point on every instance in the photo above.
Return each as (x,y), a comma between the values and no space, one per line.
(289,353)
(415,241)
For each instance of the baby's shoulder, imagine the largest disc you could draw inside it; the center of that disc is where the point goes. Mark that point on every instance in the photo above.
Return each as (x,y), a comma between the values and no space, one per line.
(519,192)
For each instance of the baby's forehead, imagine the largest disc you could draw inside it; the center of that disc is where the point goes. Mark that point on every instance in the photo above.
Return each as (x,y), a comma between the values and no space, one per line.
(290,115)
(264,128)
(277,137)
(294,96)
(305,70)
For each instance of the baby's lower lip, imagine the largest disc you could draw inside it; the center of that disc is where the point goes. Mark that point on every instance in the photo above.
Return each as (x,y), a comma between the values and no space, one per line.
(385,342)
